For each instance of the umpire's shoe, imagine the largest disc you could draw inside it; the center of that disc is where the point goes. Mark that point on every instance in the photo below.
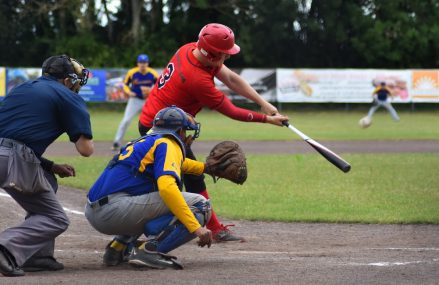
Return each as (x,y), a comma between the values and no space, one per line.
(8,267)
(42,263)
(153,259)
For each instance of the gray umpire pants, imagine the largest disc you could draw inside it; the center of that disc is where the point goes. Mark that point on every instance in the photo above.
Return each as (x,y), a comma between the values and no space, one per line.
(127,215)
(45,220)
(134,106)
(386,104)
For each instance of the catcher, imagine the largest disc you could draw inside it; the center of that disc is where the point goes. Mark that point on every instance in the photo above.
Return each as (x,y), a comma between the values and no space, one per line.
(139,193)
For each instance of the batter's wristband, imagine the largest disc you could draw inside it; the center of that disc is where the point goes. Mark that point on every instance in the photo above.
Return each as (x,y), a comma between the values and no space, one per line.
(46,164)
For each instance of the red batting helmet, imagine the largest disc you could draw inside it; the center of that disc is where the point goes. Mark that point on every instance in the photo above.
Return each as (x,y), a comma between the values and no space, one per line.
(216,38)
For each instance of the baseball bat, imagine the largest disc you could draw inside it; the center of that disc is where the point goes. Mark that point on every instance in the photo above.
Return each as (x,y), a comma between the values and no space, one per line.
(331,156)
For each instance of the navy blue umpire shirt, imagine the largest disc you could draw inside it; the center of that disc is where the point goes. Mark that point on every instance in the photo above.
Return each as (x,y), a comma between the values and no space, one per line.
(38,111)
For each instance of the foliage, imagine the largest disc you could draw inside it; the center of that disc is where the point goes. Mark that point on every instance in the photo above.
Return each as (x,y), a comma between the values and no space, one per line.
(284,33)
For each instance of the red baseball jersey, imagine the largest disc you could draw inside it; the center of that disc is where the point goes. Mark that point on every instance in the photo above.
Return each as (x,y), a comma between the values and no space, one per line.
(186,83)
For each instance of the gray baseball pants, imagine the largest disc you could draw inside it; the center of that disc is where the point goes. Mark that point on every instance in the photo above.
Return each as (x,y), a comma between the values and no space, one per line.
(386,104)
(45,220)
(134,106)
(127,215)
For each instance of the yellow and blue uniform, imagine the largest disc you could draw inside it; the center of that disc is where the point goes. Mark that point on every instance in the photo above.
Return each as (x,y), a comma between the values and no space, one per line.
(382,93)
(134,79)
(152,163)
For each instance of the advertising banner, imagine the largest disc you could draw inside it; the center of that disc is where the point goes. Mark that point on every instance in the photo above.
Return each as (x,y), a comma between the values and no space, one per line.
(339,85)
(262,80)
(94,90)
(425,86)
(16,76)
(2,82)
(282,84)
(114,85)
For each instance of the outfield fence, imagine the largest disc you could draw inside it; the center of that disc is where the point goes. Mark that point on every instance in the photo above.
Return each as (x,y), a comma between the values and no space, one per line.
(278,85)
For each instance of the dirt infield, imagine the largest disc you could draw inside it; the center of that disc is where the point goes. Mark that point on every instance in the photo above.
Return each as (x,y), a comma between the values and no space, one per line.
(275,253)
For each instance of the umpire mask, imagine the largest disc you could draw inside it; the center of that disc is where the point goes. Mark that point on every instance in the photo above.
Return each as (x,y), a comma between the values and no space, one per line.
(64,67)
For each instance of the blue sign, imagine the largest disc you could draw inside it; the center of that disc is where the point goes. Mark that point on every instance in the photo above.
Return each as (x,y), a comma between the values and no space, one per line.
(94,90)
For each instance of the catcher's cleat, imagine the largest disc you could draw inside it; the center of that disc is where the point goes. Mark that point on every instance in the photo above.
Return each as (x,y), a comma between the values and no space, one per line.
(112,257)
(116,253)
(43,263)
(223,234)
(153,259)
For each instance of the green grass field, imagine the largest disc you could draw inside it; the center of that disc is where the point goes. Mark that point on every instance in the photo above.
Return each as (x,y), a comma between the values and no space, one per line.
(381,188)
(328,125)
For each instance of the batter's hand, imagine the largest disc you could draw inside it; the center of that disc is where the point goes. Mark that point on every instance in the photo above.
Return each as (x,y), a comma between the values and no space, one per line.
(63,170)
(269,109)
(276,119)
(205,237)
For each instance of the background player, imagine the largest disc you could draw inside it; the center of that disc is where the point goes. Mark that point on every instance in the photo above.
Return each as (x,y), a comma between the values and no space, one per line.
(381,97)
(139,193)
(187,82)
(137,85)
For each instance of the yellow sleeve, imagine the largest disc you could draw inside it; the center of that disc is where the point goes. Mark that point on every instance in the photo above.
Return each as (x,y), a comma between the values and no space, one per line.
(191,166)
(153,72)
(376,90)
(127,80)
(174,200)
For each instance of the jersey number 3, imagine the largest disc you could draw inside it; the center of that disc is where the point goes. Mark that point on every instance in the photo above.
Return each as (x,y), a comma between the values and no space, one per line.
(166,75)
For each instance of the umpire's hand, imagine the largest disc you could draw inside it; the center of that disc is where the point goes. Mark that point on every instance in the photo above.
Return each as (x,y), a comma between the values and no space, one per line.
(205,237)
(63,170)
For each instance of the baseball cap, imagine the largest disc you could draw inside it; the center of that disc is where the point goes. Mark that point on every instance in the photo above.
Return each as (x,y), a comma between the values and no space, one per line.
(62,66)
(143,58)
(58,66)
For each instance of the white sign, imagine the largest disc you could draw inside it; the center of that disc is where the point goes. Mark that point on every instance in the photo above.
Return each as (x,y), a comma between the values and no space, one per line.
(339,85)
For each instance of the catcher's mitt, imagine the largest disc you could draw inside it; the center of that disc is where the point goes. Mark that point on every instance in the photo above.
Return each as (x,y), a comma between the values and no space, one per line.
(227,160)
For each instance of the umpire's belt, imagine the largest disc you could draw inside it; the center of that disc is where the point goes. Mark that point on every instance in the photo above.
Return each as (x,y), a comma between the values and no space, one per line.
(8,142)
(99,203)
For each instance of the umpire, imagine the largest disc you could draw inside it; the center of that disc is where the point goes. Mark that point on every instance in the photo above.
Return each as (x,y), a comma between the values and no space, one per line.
(32,116)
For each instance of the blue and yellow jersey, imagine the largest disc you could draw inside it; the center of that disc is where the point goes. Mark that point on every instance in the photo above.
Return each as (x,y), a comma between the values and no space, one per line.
(153,163)
(134,79)
(382,93)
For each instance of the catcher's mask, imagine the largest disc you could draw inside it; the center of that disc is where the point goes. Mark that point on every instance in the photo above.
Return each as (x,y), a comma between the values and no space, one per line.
(63,66)
(172,119)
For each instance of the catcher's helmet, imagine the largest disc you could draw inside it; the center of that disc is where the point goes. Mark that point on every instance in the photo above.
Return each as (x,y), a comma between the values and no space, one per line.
(170,120)
(62,66)
(216,38)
